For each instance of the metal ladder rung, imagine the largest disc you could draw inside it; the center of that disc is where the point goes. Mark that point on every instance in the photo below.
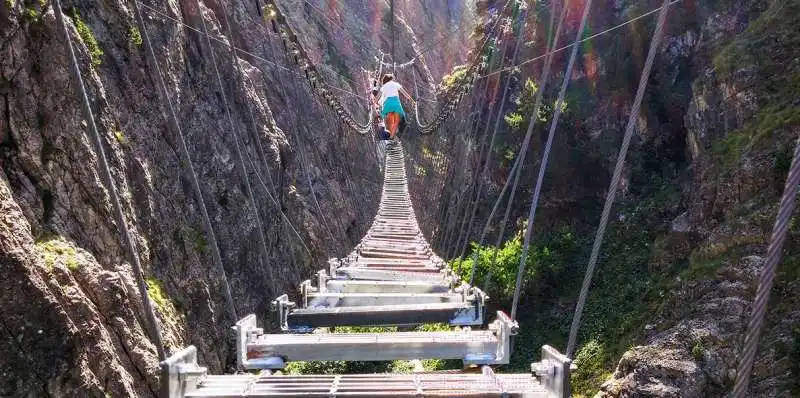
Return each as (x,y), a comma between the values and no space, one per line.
(257,350)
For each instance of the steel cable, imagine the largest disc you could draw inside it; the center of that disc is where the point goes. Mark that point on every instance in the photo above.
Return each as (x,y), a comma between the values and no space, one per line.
(184,151)
(235,132)
(498,118)
(484,167)
(108,179)
(612,188)
(520,159)
(756,324)
(545,160)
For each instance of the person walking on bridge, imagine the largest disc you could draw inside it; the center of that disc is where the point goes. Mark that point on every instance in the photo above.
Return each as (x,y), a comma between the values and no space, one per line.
(392,112)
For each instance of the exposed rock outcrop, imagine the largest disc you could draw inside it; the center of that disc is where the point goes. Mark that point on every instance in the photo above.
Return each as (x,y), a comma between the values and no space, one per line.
(71,317)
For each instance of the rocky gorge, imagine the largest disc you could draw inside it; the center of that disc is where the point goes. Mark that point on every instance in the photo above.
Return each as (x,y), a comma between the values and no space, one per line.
(670,303)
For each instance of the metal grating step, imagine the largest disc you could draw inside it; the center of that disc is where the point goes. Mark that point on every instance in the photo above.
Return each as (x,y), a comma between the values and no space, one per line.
(259,350)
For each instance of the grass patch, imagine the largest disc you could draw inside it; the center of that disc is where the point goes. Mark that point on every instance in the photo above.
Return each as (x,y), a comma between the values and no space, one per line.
(88,39)
(32,15)
(769,44)
(591,361)
(57,249)
(455,77)
(119,136)
(514,120)
(155,291)
(697,351)
(134,36)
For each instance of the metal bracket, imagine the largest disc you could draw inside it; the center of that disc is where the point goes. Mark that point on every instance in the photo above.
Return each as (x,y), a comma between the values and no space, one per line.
(333,264)
(180,373)
(503,328)
(322,281)
(553,372)
(282,306)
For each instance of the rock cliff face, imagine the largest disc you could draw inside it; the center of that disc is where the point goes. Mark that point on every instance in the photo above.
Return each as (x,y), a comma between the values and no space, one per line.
(71,319)
(680,263)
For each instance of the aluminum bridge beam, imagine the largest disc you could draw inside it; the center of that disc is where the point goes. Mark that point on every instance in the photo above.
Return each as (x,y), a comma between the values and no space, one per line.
(181,377)
(257,350)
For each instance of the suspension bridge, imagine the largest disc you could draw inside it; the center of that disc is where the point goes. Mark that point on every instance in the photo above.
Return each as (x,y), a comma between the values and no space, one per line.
(394,277)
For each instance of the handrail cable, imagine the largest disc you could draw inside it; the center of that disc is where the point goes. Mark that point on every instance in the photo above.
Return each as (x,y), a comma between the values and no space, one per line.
(614,185)
(545,160)
(259,149)
(119,215)
(184,151)
(302,59)
(455,94)
(272,197)
(243,51)
(294,128)
(587,38)
(779,230)
(303,163)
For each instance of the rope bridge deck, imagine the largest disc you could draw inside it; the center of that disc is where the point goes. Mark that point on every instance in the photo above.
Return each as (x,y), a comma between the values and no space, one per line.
(391,278)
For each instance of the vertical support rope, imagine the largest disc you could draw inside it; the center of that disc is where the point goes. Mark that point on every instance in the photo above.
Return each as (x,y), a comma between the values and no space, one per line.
(259,150)
(520,159)
(498,118)
(612,188)
(545,159)
(391,26)
(119,215)
(184,150)
(251,115)
(489,150)
(471,181)
(235,131)
(779,230)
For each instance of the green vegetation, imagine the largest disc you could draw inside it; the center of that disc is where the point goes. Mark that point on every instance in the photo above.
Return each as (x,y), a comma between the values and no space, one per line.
(32,15)
(520,118)
(155,291)
(198,240)
(769,44)
(55,249)
(193,239)
(134,36)
(449,81)
(514,120)
(592,362)
(11,3)
(88,39)
(503,264)
(697,351)
(119,136)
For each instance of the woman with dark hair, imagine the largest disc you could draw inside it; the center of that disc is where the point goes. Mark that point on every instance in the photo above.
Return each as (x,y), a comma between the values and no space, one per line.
(392,111)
